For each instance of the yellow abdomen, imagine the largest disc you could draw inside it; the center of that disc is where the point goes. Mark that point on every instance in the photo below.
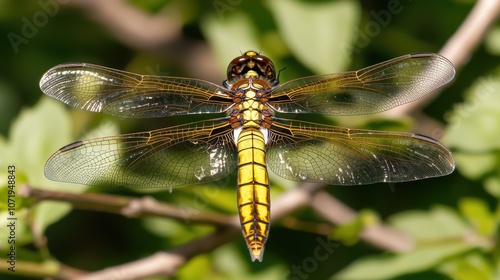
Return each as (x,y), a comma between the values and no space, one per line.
(253,190)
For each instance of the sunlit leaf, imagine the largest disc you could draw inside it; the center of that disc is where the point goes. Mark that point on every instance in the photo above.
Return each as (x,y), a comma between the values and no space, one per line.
(492,186)
(475,166)
(471,266)
(20,233)
(444,222)
(492,41)
(197,268)
(230,35)
(477,212)
(349,233)
(177,232)
(320,34)
(164,227)
(221,194)
(471,122)
(471,134)
(390,266)
(229,262)
(34,136)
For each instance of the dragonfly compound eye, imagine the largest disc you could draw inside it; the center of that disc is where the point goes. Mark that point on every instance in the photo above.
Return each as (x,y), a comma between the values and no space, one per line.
(251,61)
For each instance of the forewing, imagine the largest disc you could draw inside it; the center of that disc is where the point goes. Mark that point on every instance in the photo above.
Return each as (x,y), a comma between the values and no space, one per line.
(127,95)
(308,152)
(370,90)
(164,158)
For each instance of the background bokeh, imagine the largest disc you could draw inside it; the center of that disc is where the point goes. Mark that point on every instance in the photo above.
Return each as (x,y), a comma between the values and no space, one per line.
(453,220)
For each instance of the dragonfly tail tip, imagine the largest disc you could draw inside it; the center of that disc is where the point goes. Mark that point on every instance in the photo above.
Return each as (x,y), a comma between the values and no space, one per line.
(257,255)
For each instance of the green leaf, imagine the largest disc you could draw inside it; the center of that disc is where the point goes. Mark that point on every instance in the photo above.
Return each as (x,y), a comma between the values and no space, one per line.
(176,231)
(197,268)
(229,261)
(48,212)
(492,41)
(320,34)
(444,222)
(471,122)
(433,246)
(475,166)
(34,135)
(492,186)
(349,233)
(470,132)
(229,36)
(471,266)
(477,213)
(22,234)
(390,266)
(220,194)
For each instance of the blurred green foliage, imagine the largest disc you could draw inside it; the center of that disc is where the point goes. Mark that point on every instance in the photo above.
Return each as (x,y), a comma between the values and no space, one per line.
(454,219)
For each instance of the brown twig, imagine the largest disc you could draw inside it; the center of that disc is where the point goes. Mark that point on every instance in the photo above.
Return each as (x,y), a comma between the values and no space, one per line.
(470,34)
(458,49)
(48,268)
(167,263)
(378,235)
(133,26)
(160,34)
(130,207)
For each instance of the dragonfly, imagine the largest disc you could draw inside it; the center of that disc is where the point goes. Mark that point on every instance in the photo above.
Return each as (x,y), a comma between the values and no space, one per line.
(248,136)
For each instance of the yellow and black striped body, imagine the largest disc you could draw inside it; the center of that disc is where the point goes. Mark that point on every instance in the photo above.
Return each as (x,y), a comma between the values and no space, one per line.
(253,190)
(250,118)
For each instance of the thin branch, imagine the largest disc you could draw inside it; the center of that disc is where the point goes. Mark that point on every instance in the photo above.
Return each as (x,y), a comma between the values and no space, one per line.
(159,34)
(48,268)
(470,34)
(458,49)
(167,263)
(130,207)
(378,235)
(133,26)
(318,228)
(337,213)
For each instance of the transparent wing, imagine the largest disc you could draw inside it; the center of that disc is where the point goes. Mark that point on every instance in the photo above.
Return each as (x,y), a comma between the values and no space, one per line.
(370,90)
(309,152)
(188,154)
(127,95)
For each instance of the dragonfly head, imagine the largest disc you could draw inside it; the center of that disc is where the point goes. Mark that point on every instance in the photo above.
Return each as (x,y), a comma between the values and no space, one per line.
(251,64)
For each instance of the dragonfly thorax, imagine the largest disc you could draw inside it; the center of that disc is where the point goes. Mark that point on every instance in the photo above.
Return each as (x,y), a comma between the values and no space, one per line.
(251,108)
